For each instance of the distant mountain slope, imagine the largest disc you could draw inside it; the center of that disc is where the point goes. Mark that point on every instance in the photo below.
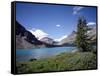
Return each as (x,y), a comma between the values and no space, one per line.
(92,34)
(47,40)
(71,38)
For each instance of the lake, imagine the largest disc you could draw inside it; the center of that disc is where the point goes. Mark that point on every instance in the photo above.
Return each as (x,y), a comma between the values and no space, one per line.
(27,54)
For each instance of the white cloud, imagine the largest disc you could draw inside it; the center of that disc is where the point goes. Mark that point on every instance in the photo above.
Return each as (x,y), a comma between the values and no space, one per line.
(63,37)
(91,23)
(58,25)
(38,33)
(77,9)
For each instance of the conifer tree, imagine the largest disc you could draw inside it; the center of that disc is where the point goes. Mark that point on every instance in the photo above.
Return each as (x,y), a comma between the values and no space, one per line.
(82,41)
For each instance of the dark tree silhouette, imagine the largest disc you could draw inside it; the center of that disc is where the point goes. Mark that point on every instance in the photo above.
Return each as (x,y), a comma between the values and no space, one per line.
(82,41)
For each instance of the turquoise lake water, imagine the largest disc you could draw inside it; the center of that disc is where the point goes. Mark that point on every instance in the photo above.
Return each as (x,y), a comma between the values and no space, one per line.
(27,54)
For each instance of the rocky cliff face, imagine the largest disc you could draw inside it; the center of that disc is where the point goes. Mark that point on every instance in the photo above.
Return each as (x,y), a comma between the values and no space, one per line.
(92,34)
(21,43)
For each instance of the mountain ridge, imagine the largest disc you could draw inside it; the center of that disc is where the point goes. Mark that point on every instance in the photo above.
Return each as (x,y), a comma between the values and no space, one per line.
(71,38)
(26,39)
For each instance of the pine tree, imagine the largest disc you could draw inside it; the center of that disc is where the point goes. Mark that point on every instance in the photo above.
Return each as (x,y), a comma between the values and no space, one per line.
(82,41)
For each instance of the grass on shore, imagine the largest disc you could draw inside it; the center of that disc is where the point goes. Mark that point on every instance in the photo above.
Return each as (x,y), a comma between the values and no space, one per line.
(61,62)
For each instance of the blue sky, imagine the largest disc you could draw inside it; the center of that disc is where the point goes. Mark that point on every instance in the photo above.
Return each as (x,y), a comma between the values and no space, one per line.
(54,20)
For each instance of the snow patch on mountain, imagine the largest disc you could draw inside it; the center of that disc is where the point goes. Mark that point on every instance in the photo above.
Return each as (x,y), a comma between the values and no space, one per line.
(63,37)
(39,34)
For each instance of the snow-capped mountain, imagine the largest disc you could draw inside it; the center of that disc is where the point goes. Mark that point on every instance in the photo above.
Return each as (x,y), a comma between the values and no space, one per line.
(25,39)
(39,34)
(42,36)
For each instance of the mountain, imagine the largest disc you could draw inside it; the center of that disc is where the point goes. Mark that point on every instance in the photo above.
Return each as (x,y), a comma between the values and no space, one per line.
(42,36)
(59,39)
(39,34)
(25,39)
(47,40)
(92,34)
(71,38)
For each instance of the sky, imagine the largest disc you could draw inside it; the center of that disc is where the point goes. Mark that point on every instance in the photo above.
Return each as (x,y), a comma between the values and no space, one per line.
(54,21)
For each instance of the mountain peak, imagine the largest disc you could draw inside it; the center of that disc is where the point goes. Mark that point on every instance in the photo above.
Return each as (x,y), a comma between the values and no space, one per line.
(38,33)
